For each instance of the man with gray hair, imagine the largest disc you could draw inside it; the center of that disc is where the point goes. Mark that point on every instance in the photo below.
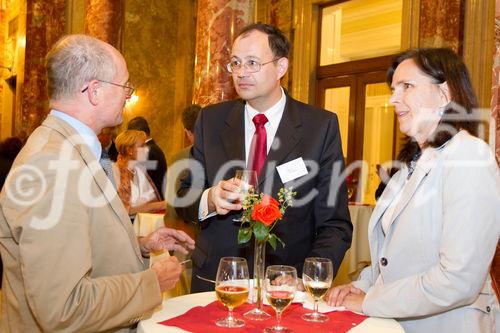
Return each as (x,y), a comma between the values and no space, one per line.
(72,260)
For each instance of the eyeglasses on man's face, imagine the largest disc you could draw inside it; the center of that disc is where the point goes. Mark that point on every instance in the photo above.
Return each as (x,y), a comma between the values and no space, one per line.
(128,87)
(251,66)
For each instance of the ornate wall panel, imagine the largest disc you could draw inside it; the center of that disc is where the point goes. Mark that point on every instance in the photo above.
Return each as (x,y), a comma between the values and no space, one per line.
(279,13)
(104,19)
(218,22)
(441,24)
(158,45)
(495,100)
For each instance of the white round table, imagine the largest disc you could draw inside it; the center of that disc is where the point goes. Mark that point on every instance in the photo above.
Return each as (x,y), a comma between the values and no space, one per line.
(176,306)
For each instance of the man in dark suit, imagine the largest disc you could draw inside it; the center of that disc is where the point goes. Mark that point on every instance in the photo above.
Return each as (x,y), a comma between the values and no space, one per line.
(228,137)
(158,169)
(107,140)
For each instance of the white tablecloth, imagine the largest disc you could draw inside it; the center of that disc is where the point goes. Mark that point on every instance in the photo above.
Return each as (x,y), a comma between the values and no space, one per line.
(358,256)
(146,223)
(176,306)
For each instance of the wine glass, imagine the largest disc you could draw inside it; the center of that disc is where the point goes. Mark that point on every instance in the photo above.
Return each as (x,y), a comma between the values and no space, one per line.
(280,285)
(350,192)
(248,179)
(317,276)
(231,288)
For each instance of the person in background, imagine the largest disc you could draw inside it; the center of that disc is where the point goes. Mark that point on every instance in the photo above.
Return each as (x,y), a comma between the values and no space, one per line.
(135,188)
(157,164)
(9,148)
(107,140)
(189,117)
(264,129)
(176,171)
(72,262)
(435,228)
(181,162)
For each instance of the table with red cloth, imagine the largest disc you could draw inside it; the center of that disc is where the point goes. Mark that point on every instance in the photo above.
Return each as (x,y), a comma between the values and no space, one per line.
(197,313)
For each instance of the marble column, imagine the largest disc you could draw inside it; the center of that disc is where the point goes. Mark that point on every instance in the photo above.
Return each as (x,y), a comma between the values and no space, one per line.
(441,24)
(281,16)
(495,100)
(104,20)
(274,17)
(45,22)
(217,23)
(495,127)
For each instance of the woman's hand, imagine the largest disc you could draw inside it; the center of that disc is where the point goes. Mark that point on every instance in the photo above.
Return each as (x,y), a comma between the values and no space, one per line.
(147,207)
(156,205)
(354,302)
(338,296)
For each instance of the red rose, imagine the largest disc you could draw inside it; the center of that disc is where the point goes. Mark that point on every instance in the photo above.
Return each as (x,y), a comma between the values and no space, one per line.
(267,211)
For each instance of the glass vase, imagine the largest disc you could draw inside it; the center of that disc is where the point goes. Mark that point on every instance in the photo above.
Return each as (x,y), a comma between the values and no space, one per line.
(259,268)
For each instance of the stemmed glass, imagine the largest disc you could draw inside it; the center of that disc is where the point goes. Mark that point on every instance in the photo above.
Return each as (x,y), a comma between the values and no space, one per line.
(231,288)
(248,179)
(350,192)
(317,276)
(280,285)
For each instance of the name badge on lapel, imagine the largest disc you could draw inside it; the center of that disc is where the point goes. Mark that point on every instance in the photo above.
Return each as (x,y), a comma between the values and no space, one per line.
(292,170)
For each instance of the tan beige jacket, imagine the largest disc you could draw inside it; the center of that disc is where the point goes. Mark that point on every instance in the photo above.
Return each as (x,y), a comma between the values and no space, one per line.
(71,259)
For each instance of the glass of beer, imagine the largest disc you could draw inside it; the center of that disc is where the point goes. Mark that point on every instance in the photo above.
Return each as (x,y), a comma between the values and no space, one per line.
(231,288)
(280,286)
(317,276)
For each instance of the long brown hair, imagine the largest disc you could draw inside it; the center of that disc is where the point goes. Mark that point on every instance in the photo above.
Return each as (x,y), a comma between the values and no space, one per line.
(444,65)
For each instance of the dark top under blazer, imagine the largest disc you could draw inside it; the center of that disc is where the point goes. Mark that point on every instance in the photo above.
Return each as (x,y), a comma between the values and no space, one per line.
(312,229)
(157,175)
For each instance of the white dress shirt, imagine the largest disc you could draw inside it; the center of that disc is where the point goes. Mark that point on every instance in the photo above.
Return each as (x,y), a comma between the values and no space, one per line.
(141,190)
(88,135)
(273,115)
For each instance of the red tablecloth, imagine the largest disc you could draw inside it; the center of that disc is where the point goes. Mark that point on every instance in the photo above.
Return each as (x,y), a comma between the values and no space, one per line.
(201,319)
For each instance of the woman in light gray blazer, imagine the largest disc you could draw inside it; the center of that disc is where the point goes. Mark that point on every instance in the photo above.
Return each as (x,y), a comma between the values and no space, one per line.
(435,228)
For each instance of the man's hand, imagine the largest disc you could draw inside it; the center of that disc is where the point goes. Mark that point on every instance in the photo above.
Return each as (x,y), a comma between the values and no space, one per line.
(166,239)
(337,295)
(167,271)
(225,196)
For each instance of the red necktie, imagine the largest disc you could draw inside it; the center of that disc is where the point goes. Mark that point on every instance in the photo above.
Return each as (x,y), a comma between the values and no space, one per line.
(258,148)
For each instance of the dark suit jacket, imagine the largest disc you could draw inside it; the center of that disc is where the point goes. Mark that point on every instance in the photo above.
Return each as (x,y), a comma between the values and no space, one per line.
(112,152)
(5,165)
(157,174)
(311,229)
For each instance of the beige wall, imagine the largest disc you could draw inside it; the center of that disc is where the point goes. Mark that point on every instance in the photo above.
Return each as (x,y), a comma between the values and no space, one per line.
(158,44)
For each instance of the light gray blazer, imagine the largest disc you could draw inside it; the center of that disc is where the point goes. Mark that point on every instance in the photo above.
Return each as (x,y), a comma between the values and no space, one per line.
(433,263)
